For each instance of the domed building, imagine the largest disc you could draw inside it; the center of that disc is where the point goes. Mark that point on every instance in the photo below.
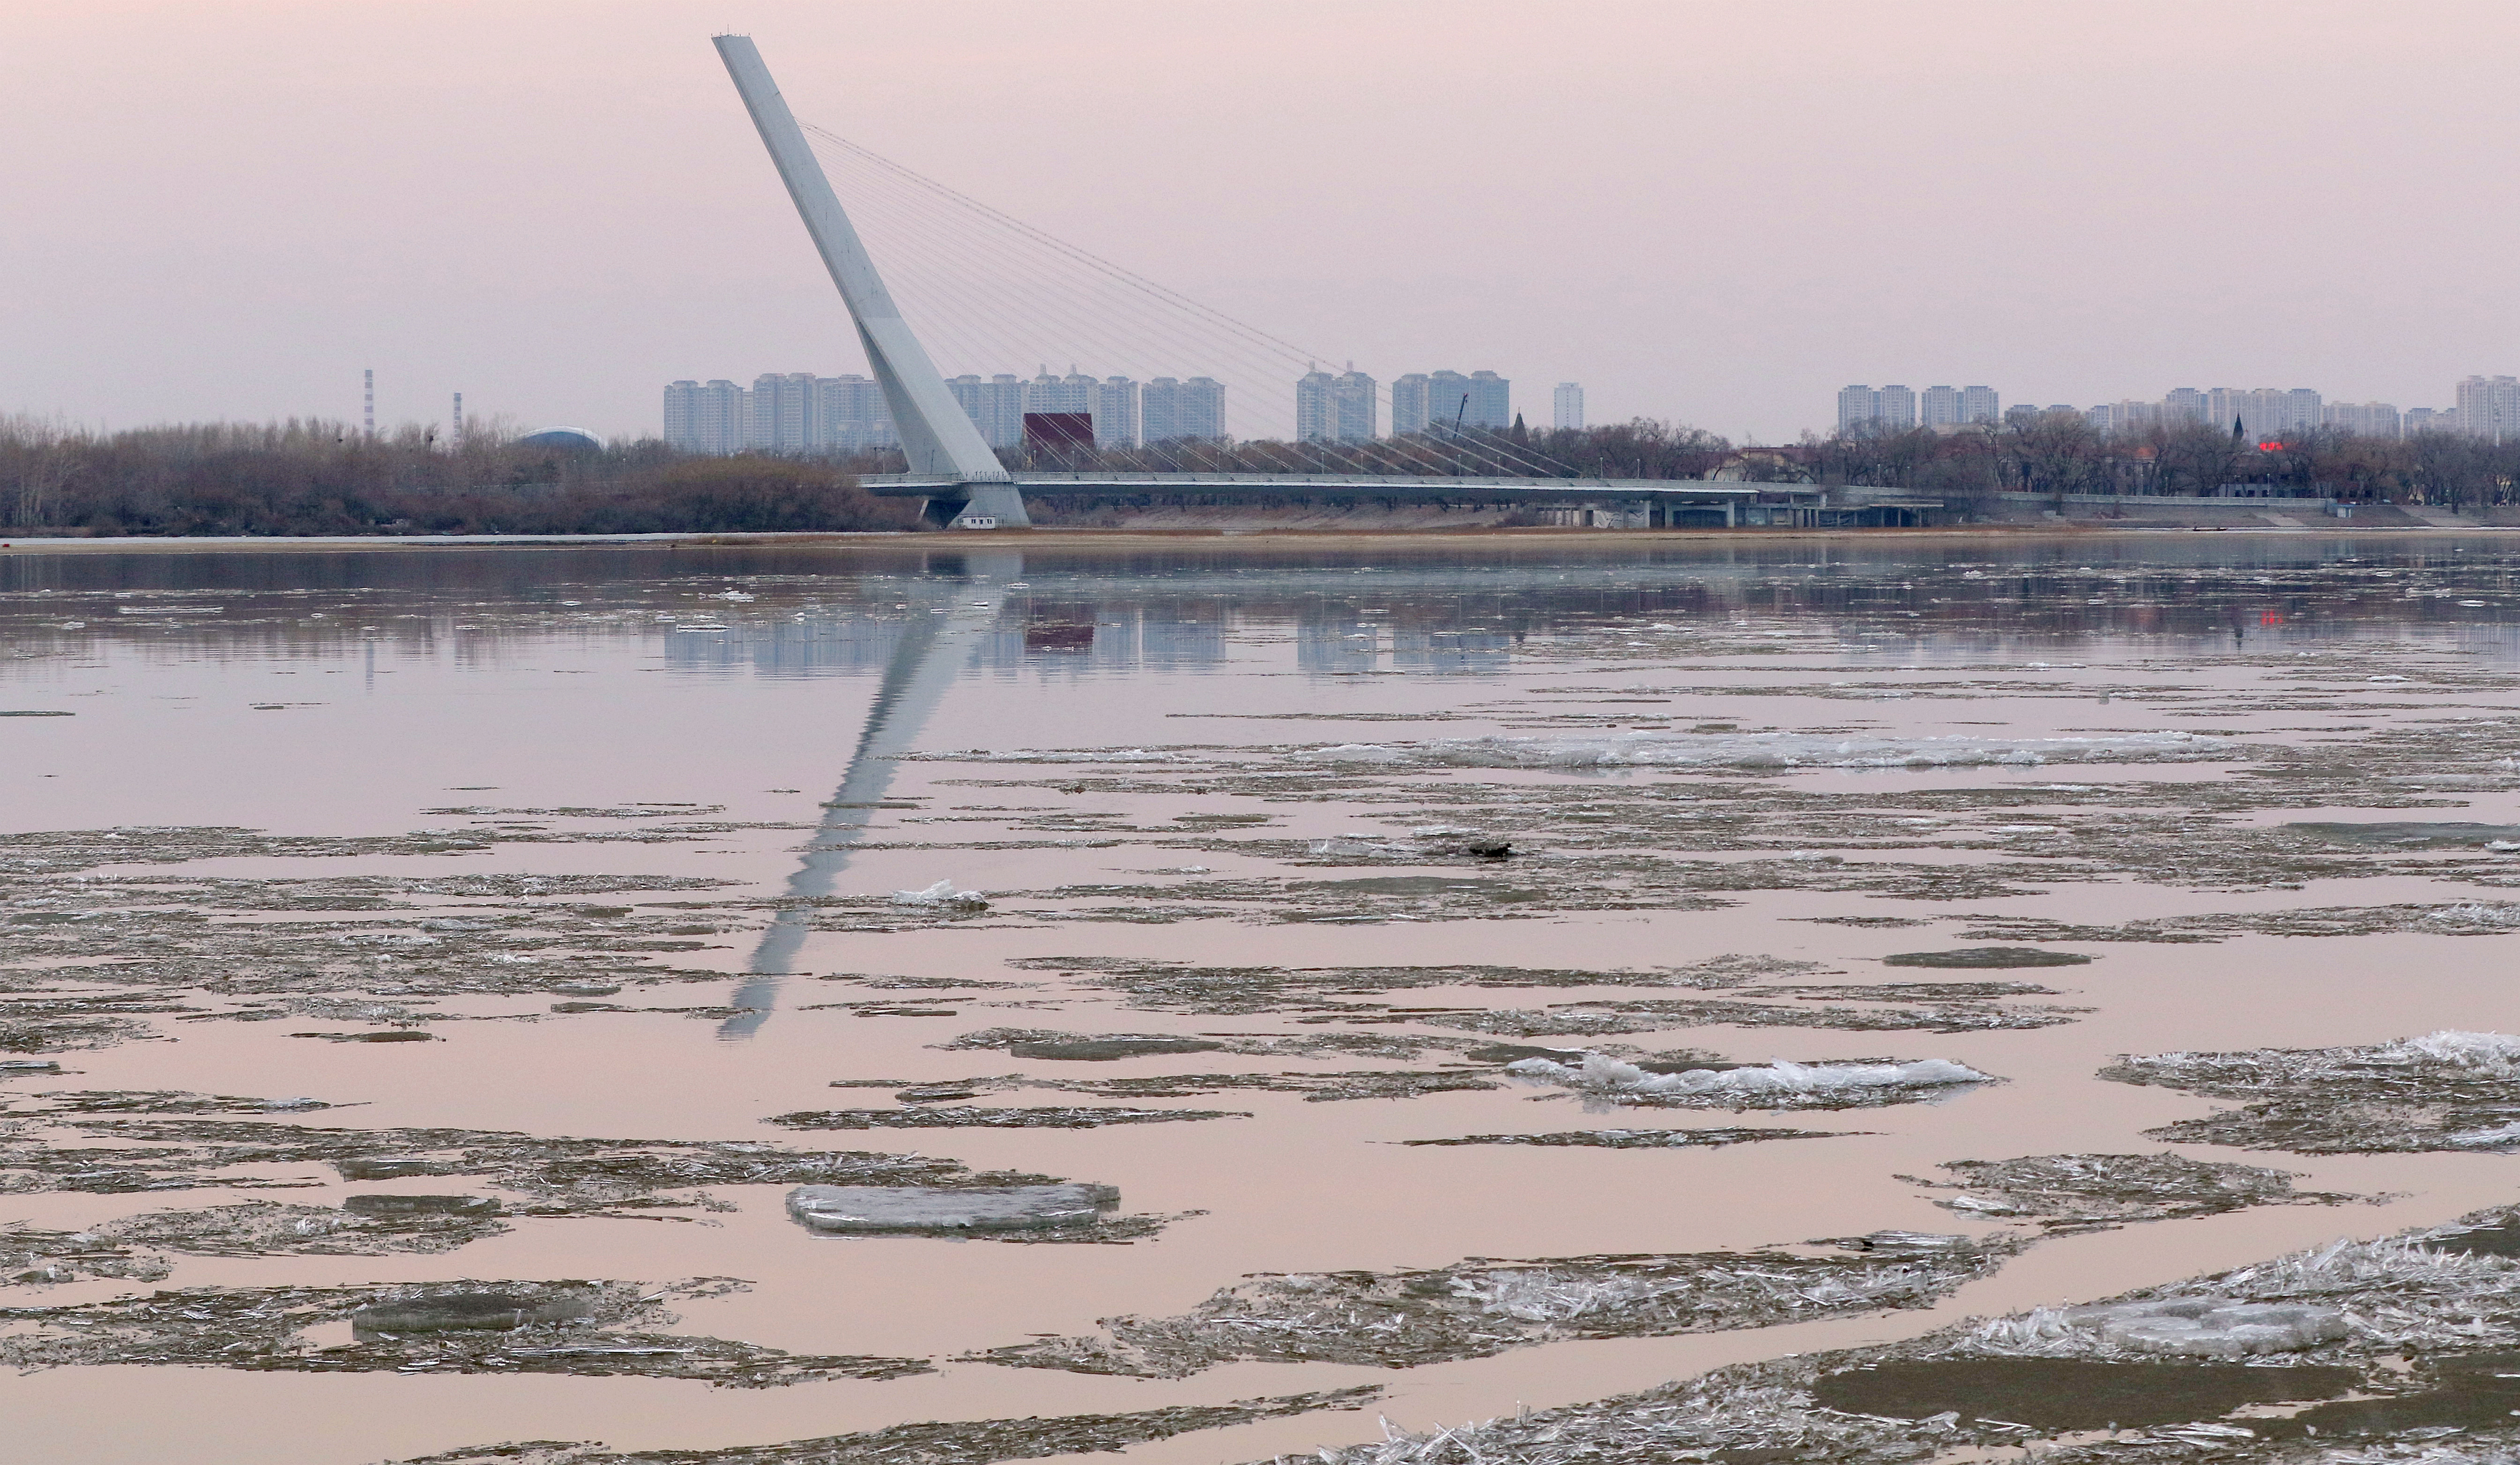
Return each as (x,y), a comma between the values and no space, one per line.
(574,439)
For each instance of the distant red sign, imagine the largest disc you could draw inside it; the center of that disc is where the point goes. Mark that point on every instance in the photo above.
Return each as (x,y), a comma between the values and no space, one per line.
(1058,431)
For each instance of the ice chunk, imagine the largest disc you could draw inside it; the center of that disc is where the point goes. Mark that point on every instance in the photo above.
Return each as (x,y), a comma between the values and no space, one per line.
(1664,749)
(1359,752)
(2497,1053)
(876,1209)
(942,893)
(464,1312)
(2210,1327)
(1602,1074)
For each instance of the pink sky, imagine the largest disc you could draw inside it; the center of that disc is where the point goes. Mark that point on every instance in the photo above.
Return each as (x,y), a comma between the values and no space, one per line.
(1711,213)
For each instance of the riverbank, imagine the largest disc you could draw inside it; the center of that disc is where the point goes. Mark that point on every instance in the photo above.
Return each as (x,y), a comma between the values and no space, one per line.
(1046,537)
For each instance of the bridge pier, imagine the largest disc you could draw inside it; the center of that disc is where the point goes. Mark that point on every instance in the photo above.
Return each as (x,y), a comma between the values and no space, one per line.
(1001,503)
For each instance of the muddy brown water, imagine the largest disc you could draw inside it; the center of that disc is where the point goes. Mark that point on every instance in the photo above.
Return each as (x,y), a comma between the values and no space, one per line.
(1149,782)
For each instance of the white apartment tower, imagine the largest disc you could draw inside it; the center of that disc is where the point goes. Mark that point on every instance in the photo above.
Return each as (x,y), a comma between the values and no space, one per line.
(996,406)
(1316,407)
(1942,407)
(2488,407)
(1410,398)
(1980,403)
(1353,409)
(704,418)
(1567,407)
(1174,411)
(777,410)
(1115,413)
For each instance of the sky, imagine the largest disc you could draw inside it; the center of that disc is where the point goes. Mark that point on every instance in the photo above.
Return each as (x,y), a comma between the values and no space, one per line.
(1709,213)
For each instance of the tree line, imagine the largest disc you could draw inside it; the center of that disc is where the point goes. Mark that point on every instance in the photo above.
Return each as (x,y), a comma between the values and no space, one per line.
(2061,453)
(310,476)
(306,476)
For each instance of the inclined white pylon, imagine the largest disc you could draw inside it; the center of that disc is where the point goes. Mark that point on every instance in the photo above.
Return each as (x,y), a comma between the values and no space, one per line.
(936,436)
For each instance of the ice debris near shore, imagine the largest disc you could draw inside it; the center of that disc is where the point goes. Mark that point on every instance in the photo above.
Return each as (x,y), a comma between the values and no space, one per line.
(1478,1307)
(2209,1327)
(2068,1194)
(1778,1083)
(942,895)
(2445,1091)
(1782,750)
(2357,1353)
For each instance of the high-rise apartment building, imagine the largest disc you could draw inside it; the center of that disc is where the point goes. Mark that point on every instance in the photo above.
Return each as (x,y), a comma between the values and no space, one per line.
(2363,419)
(1566,406)
(2265,413)
(1315,408)
(2428,419)
(1941,407)
(996,406)
(1173,411)
(848,416)
(1979,404)
(1448,401)
(1115,413)
(1354,411)
(1437,401)
(2183,405)
(1410,396)
(777,412)
(1202,408)
(682,399)
(1051,394)
(704,418)
(2488,407)
(1890,409)
(2126,415)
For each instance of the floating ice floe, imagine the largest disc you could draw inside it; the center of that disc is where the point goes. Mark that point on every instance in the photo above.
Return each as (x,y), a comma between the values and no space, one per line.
(2210,1327)
(1854,1083)
(942,893)
(2445,1091)
(921,1207)
(1661,749)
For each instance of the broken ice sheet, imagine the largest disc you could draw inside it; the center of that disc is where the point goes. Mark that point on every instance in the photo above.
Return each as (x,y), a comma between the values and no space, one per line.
(114,1154)
(1180,986)
(2446,1091)
(1639,1139)
(1475,1308)
(2359,1352)
(549,1327)
(1966,1014)
(946,1117)
(1783,750)
(1774,1085)
(2066,1193)
(980,1442)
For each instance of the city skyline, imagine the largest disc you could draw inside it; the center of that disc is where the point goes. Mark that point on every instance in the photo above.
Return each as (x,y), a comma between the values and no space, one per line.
(799,411)
(2485,407)
(324,230)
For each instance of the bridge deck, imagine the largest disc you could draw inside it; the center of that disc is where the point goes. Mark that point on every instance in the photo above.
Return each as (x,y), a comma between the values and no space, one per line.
(1352,485)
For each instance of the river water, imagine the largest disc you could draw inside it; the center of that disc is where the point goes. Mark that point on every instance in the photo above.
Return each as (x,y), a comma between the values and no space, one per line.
(259,799)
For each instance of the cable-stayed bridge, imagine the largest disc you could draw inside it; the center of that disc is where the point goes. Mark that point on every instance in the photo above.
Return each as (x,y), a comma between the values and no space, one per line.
(957,255)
